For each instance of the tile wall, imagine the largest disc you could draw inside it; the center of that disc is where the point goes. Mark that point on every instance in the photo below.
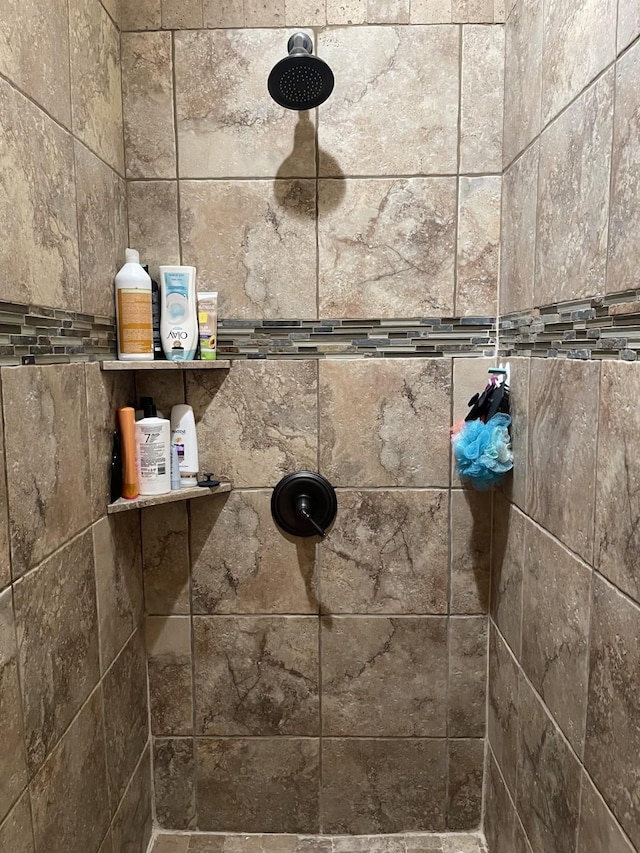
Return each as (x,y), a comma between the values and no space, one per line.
(565,609)
(340,688)
(74,754)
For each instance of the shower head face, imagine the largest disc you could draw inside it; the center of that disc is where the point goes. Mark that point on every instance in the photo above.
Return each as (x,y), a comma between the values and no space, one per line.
(301,81)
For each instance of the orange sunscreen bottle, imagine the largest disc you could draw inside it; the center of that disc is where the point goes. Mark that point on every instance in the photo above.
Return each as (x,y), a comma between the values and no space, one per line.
(130,479)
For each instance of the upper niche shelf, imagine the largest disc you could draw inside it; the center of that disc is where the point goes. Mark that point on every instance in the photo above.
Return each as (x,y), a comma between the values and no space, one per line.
(165,365)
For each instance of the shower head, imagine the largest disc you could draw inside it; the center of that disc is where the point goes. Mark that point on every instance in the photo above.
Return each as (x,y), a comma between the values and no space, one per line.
(301,81)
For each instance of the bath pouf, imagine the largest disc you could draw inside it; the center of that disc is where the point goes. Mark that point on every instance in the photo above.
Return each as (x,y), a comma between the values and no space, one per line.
(483,451)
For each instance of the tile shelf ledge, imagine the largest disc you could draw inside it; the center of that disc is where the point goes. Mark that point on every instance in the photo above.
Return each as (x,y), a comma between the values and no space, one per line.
(114,364)
(185,494)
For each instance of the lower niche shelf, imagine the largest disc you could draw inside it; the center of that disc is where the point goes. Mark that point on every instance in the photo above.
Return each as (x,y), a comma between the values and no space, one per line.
(185,494)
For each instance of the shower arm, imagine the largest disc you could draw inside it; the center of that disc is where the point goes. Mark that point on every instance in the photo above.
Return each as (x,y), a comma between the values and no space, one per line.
(300,44)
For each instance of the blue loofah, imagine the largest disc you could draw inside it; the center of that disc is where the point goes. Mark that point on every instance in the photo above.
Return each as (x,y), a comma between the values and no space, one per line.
(483,451)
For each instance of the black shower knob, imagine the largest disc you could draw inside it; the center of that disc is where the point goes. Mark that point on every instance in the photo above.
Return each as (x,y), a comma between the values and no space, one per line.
(304,504)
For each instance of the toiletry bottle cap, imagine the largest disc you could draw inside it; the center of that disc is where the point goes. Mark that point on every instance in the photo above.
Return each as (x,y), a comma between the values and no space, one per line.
(148,407)
(132,256)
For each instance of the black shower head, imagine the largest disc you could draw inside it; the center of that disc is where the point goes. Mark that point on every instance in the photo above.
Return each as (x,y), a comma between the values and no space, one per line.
(301,81)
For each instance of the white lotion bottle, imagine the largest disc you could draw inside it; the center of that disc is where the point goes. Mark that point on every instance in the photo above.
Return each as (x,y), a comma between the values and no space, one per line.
(153,437)
(134,316)
(183,436)
(178,313)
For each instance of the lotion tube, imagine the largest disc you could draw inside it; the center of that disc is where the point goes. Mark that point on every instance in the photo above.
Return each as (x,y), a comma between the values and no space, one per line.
(130,478)
(178,317)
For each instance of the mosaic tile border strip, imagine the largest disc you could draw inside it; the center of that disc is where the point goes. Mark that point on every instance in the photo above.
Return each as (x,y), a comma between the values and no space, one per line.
(370,338)
(31,334)
(605,327)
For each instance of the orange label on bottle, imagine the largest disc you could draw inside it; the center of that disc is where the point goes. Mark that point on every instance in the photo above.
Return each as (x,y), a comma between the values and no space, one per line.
(135,326)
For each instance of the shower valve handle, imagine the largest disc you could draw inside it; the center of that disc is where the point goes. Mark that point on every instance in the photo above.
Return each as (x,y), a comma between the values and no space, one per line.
(303,508)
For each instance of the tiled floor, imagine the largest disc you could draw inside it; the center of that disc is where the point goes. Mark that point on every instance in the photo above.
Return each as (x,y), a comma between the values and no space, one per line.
(226,843)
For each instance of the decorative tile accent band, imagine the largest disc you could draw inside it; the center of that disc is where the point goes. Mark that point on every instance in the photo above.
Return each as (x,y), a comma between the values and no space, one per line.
(31,334)
(605,327)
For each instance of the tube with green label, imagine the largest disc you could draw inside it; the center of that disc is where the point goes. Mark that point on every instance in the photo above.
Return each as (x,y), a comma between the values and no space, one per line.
(208,324)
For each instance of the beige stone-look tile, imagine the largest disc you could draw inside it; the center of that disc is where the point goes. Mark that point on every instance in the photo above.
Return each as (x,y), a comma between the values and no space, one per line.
(555,630)
(519,210)
(169,843)
(467,677)
(613,739)
(388,11)
(5,549)
(117,556)
(499,815)
(255,243)
(430,11)
(228,125)
(347,11)
(132,824)
(598,830)
(515,488)
(42,73)
(114,9)
(15,832)
(147,99)
(181,14)
(482,99)
(464,792)
(478,246)
(258,785)
(69,796)
(96,86)
(386,247)
(223,13)
(375,417)
(617,499)
(13,768)
(102,230)
(57,630)
(387,553)
(368,843)
(153,222)
(628,22)
(125,715)
(384,101)
(173,781)
(472,11)
(378,786)
(305,13)
(169,664)
(548,792)
(384,676)
(264,13)
(242,562)
(470,551)
(106,393)
(39,250)
(506,571)
(562,450)
(522,77)
(256,676)
(623,256)
(165,548)
(141,15)
(502,722)
(565,70)
(573,198)
(258,422)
